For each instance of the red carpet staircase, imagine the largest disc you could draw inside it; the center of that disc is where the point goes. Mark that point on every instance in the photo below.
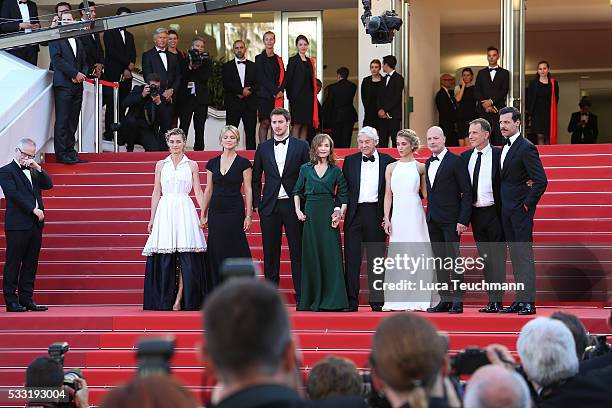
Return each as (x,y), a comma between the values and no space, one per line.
(92,270)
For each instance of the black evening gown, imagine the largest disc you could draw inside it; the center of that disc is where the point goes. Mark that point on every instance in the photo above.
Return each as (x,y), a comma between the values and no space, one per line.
(226,236)
(540,117)
(369,98)
(466,111)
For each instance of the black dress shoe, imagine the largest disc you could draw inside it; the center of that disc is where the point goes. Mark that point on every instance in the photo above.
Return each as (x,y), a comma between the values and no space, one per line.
(492,307)
(513,308)
(376,308)
(78,160)
(351,309)
(35,308)
(440,307)
(456,308)
(527,309)
(15,307)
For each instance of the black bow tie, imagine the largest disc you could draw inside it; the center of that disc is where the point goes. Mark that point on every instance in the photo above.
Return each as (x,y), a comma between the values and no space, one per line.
(508,142)
(492,69)
(23,1)
(241,62)
(277,142)
(368,159)
(433,159)
(24,167)
(161,51)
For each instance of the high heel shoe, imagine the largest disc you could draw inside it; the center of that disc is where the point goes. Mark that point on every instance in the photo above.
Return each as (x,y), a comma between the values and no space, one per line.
(176,307)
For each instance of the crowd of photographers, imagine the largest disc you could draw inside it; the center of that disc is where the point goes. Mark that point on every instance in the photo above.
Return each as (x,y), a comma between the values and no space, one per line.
(249,349)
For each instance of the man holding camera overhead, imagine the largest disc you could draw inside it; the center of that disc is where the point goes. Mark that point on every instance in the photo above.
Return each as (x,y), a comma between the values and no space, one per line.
(195,102)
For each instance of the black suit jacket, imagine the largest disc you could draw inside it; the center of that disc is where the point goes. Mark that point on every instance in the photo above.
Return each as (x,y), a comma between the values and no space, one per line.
(496,90)
(265,162)
(233,87)
(199,77)
(65,65)
(136,117)
(449,200)
(340,101)
(93,50)
(588,134)
(583,390)
(294,77)
(495,173)
(10,17)
(152,62)
(352,173)
(267,87)
(522,163)
(21,196)
(447,110)
(532,90)
(118,56)
(390,95)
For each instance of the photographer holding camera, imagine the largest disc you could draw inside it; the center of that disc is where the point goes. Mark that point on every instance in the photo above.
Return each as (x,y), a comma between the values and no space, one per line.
(147,115)
(194,102)
(48,372)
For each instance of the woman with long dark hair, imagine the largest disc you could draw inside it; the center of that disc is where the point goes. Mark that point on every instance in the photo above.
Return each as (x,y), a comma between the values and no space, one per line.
(319,182)
(370,87)
(542,100)
(300,83)
(466,101)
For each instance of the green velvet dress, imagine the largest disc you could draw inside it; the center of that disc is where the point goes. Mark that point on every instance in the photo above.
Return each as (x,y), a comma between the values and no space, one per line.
(323,285)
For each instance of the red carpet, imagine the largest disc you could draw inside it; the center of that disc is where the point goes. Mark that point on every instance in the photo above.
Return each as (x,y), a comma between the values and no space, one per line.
(96,228)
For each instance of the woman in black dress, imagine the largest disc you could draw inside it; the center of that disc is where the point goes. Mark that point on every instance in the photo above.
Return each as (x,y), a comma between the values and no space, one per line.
(300,85)
(370,86)
(270,71)
(466,109)
(542,100)
(226,218)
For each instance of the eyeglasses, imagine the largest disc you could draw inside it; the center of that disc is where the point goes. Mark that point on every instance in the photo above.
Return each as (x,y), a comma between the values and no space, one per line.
(29,156)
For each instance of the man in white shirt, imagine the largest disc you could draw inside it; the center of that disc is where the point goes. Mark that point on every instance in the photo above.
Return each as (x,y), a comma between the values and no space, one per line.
(20,16)
(483,165)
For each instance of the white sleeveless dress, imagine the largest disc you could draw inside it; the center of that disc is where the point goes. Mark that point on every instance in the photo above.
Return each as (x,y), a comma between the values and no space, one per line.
(409,236)
(176,226)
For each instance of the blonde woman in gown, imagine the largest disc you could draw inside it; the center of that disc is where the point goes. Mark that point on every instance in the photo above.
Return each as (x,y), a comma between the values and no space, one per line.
(407,228)
(175,276)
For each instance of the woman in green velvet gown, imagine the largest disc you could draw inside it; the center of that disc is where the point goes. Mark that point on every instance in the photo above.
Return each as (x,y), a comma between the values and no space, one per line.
(319,182)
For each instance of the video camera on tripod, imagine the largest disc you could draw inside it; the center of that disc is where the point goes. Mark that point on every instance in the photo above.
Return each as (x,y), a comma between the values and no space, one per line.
(381,28)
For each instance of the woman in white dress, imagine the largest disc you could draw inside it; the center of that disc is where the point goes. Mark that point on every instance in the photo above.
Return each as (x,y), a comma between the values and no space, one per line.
(408,232)
(175,276)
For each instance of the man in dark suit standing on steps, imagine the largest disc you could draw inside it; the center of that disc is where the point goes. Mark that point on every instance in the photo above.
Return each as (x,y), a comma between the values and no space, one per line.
(449,205)
(519,163)
(92,42)
(165,64)
(21,181)
(447,109)
(491,89)
(279,159)
(365,175)
(239,82)
(18,16)
(483,165)
(390,102)
(339,100)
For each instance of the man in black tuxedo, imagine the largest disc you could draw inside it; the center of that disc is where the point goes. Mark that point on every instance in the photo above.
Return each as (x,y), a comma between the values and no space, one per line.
(119,63)
(165,64)
(239,82)
(195,101)
(365,175)
(449,205)
(18,16)
(520,163)
(21,181)
(390,104)
(92,42)
(447,109)
(583,124)
(69,67)
(483,166)
(279,159)
(145,116)
(491,89)
(339,101)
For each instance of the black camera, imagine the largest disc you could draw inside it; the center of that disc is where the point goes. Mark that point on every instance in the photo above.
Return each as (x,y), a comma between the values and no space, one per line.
(56,352)
(599,348)
(196,59)
(470,360)
(381,28)
(154,354)
(153,90)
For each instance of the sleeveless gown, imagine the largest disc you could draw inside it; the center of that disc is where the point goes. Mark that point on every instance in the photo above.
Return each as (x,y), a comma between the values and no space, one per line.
(409,236)
(176,244)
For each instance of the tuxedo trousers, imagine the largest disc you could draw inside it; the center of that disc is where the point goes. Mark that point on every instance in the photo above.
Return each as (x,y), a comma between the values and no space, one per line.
(518,230)
(388,129)
(493,119)
(190,107)
(342,133)
(364,234)
(283,215)
(233,116)
(22,250)
(67,110)
(445,244)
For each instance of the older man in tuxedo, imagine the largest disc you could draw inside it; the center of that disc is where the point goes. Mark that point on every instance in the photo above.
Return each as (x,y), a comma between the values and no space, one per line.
(365,175)
(20,16)
(520,163)
(22,181)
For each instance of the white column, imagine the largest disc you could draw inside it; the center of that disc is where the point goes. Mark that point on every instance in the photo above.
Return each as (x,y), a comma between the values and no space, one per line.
(513,49)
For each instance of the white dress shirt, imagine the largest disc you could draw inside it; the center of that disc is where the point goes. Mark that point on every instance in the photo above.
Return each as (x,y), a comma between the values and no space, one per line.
(122,32)
(280,155)
(241,70)
(25,14)
(73,45)
(433,166)
(388,77)
(485,183)
(492,73)
(506,148)
(163,57)
(28,174)
(368,182)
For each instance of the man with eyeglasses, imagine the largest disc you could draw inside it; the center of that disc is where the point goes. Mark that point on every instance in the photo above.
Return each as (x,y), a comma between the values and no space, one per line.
(22,181)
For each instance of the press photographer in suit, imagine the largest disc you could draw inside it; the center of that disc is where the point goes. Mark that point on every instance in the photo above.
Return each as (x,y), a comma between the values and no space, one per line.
(22,181)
